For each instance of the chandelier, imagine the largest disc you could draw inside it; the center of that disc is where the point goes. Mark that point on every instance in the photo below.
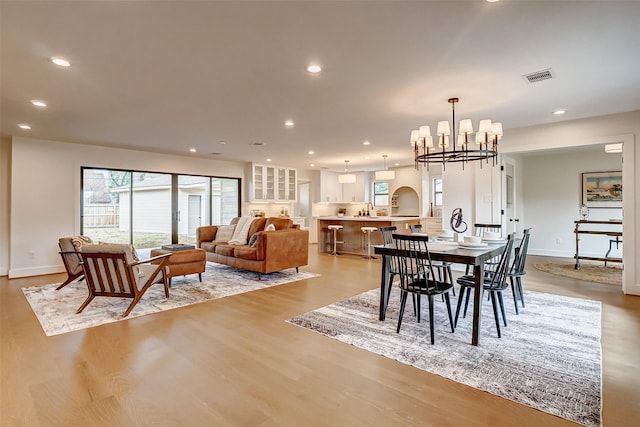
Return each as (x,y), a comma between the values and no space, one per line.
(461,149)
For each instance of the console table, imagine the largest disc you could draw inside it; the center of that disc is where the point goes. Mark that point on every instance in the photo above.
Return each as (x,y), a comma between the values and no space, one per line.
(598,230)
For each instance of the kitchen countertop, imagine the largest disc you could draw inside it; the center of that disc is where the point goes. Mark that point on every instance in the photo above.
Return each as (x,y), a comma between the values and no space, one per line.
(368,218)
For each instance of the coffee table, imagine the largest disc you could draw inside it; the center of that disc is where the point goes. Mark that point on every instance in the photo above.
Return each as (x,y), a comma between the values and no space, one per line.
(183,262)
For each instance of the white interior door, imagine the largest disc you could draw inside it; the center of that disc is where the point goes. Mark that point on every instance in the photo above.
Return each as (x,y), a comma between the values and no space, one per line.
(510,220)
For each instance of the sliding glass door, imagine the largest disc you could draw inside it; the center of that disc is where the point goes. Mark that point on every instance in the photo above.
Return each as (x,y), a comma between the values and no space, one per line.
(151,209)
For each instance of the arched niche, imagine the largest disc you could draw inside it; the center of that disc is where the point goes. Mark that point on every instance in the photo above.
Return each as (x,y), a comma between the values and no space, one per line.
(405,202)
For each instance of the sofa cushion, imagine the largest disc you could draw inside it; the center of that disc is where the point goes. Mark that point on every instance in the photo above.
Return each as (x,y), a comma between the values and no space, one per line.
(245,252)
(208,246)
(224,233)
(257,225)
(225,250)
(279,223)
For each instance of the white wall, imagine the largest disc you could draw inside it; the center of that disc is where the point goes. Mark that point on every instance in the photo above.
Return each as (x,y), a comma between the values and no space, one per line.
(551,197)
(622,127)
(5,182)
(45,193)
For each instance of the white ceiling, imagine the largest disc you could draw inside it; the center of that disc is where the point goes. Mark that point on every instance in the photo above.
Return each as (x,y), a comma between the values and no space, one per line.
(168,76)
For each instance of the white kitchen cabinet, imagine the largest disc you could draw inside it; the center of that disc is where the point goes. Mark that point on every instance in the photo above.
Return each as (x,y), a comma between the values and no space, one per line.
(356,192)
(264,183)
(330,189)
(286,184)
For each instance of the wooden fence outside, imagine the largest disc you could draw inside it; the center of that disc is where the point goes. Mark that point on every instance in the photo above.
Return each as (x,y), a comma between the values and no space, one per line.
(101,216)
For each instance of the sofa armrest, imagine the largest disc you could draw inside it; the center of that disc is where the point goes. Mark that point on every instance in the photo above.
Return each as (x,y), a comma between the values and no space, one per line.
(287,246)
(205,233)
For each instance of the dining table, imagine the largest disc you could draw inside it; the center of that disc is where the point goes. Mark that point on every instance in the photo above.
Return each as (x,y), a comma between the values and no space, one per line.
(451,252)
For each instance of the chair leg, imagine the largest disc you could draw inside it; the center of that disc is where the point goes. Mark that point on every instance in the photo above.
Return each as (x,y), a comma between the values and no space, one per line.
(431,319)
(85,303)
(519,282)
(513,291)
(495,312)
(417,306)
(403,302)
(466,302)
(70,279)
(462,292)
(501,302)
(448,301)
(448,268)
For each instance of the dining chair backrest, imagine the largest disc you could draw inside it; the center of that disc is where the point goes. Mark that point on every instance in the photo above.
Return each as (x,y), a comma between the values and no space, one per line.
(480,229)
(387,234)
(415,228)
(498,275)
(520,254)
(413,261)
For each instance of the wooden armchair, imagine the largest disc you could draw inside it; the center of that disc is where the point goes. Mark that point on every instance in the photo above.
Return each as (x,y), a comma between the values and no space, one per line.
(70,252)
(111,271)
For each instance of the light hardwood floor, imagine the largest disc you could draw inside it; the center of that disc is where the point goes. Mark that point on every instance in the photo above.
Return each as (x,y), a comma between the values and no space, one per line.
(236,362)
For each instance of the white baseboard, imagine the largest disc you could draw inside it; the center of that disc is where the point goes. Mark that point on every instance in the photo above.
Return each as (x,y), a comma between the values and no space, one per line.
(15,273)
(4,270)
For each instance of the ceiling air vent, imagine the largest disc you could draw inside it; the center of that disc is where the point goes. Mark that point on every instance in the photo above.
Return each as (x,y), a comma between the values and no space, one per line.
(538,76)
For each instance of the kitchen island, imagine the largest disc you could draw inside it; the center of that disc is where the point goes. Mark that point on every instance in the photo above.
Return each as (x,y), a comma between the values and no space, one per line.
(354,240)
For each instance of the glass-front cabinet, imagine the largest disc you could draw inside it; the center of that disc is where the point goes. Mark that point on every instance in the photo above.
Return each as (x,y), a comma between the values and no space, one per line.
(264,183)
(286,185)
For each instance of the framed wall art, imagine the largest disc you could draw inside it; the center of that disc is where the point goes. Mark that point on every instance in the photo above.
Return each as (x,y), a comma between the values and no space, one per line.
(602,189)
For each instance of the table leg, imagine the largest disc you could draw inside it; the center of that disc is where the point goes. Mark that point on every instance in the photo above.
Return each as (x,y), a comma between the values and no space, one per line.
(384,287)
(478,295)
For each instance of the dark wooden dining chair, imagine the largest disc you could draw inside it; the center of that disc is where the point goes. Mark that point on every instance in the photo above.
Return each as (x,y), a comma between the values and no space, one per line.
(495,282)
(111,271)
(517,269)
(417,277)
(444,268)
(478,231)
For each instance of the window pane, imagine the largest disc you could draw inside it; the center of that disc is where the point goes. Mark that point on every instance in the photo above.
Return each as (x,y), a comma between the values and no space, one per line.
(381,200)
(380,188)
(104,217)
(151,209)
(225,196)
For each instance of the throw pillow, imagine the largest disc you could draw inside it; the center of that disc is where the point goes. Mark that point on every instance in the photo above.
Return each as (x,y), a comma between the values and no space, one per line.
(270,227)
(253,240)
(79,241)
(224,233)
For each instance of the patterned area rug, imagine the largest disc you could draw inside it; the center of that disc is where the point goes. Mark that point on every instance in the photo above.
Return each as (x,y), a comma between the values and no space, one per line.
(549,356)
(589,272)
(56,310)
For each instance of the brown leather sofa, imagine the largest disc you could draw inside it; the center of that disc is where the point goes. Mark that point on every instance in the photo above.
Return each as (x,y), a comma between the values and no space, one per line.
(285,247)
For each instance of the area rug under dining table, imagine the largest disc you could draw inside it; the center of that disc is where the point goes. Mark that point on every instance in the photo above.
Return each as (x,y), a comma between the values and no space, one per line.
(549,356)
(56,310)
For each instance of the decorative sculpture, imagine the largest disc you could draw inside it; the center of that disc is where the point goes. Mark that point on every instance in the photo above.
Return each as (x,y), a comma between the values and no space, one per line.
(456,222)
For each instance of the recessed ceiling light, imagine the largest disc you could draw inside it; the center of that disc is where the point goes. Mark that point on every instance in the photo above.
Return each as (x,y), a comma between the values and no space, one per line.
(311,152)
(559,112)
(268,160)
(223,142)
(366,158)
(38,103)
(366,143)
(24,126)
(311,165)
(60,61)
(193,150)
(397,164)
(289,123)
(493,1)
(314,68)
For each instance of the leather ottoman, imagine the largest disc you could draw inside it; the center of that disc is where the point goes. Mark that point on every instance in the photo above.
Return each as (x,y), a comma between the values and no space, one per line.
(183,262)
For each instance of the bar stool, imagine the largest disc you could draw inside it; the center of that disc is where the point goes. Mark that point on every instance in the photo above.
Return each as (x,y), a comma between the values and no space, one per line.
(334,229)
(368,231)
